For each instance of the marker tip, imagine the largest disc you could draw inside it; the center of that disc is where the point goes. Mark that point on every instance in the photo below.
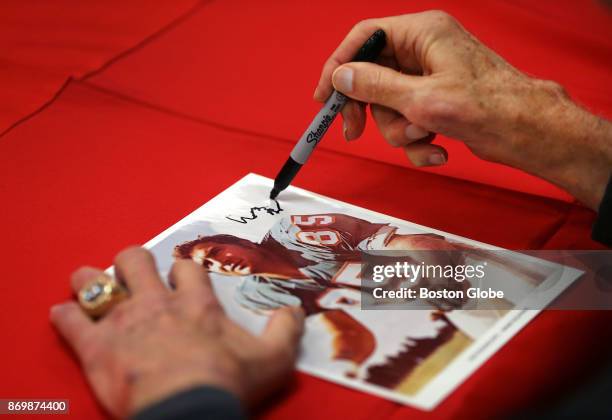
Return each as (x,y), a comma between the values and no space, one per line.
(274,193)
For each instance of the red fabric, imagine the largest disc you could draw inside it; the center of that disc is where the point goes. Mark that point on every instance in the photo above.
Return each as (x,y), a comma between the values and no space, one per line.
(254,66)
(43,44)
(110,173)
(94,172)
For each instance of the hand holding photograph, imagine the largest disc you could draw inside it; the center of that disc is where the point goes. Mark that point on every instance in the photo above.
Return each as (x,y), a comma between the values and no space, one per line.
(305,249)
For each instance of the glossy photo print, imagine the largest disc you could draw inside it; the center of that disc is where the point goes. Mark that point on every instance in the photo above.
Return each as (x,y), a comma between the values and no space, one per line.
(307,250)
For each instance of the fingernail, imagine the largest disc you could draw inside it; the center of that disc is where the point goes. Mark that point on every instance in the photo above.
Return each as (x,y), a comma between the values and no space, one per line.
(344,130)
(343,79)
(414,132)
(437,159)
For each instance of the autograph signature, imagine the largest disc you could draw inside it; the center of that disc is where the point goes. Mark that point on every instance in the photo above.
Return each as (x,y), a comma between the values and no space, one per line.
(255,211)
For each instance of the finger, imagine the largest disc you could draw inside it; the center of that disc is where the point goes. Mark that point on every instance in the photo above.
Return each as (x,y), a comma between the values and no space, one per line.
(192,279)
(284,330)
(376,84)
(135,266)
(391,125)
(423,153)
(388,61)
(346,51)
(82,276)
(354,40)
(73,325)
(354,120)
(395,128)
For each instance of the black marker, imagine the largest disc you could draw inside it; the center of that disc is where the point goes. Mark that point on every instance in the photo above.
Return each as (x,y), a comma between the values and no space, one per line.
(317,128)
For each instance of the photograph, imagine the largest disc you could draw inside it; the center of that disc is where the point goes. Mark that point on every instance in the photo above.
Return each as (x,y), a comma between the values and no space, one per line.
(232,210)
(310,253)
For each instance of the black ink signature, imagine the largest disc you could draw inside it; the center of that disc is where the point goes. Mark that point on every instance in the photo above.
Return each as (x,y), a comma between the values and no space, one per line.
(254,210)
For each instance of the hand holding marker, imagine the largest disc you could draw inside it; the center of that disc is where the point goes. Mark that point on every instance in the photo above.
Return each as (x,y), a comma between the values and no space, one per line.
(318,127)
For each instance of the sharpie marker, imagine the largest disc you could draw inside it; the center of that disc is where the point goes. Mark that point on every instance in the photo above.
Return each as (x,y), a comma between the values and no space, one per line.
(318,127)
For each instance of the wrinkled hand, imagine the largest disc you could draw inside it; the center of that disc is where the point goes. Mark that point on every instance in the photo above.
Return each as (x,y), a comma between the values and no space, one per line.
(435,77)
(161,341)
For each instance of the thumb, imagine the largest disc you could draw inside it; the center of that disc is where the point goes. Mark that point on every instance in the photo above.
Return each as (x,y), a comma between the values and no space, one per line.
(375,84)
(285,329)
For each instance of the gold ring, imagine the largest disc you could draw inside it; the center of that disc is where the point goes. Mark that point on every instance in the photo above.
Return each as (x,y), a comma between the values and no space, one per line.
(99,295)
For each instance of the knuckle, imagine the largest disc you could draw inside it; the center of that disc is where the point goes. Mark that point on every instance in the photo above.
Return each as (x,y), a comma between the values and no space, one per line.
(196,305)
(123,316)
(420,110)
(81,270)
(441,108)
(441,18)
(436,112)
(374,86)
(364,24)
(412,102)
(394,138)
(554,89)
(392,142)
(130,253)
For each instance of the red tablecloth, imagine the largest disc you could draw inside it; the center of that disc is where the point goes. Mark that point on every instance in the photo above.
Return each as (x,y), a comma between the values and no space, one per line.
(45,44)
(117,158)
(254,66)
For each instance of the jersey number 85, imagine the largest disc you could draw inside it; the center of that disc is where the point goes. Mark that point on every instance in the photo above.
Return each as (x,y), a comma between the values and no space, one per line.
(326,237)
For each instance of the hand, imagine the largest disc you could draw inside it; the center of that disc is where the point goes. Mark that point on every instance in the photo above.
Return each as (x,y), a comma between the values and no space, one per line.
(159,341)
(435,77)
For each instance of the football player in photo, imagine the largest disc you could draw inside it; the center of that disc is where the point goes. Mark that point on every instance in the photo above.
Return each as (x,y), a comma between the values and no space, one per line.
(314,261)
